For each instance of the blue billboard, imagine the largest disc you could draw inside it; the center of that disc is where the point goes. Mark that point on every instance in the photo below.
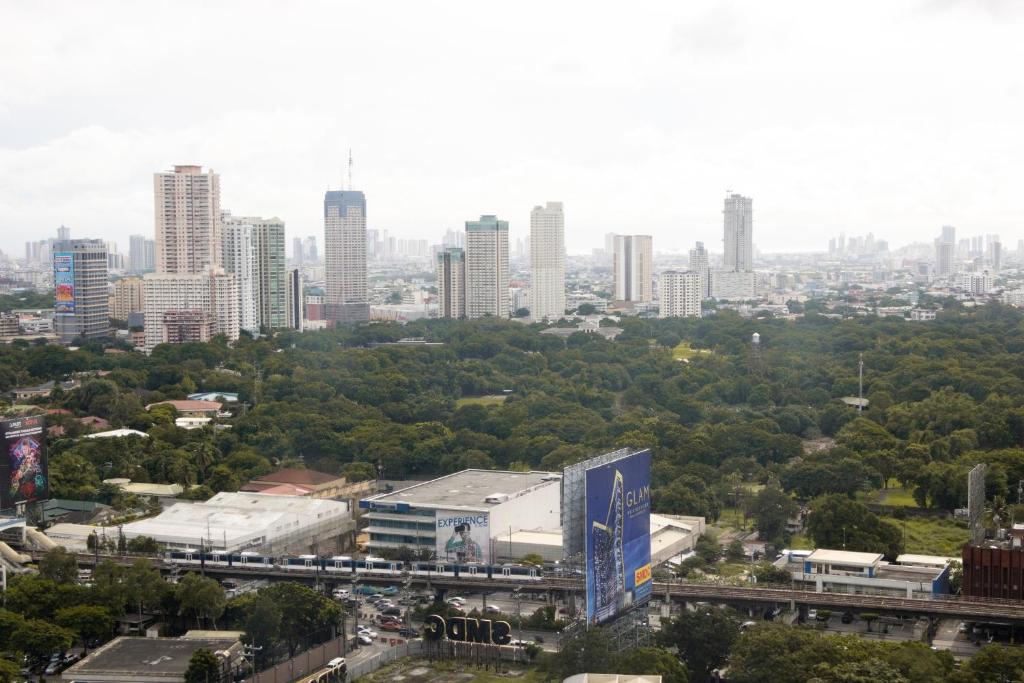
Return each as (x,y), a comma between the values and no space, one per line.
(63,283)
(618,535)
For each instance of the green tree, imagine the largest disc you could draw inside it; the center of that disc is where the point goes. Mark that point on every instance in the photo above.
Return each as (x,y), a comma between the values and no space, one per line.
(144,587)
(203,667)
(38,638)
(262,624)
(592,650)
(838,522)
(772,508)
(868,671)
(532,559)
(143,544)
(993,664)
(59,566)
(200,598)
(9,672)
(703,639)
(653,661)
(304,613)
(88,621)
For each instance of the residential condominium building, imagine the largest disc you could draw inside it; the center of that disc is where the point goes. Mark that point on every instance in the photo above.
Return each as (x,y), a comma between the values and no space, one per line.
(141,254)
(238,252)
(214,293)
(633,268)
(270,287)
(729,285)
(451,283)
(345,256)
(700,264)
(679,293)
(295,313)
(81,294)
(739,227)
(547,261)
(187,207)
(127,298)
(487,267)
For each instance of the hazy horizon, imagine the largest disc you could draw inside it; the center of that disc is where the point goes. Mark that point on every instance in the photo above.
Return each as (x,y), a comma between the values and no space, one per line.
(886,117)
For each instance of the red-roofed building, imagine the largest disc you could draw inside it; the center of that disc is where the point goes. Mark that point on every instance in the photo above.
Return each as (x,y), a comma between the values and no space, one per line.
(315,484)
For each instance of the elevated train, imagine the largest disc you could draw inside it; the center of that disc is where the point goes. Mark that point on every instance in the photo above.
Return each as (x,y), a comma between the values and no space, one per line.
(347,566)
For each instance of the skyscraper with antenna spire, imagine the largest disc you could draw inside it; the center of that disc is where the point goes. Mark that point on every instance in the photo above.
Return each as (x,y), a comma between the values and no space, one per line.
(345,254)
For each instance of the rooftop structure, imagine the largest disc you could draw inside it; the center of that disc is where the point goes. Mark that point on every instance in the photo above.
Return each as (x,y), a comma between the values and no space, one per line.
(191,408)
(842,571)
(114,433)
(150,660)
(308,482)
(242,521)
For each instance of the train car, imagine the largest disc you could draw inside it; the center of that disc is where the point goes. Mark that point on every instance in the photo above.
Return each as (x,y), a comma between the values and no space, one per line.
(302,563)
(378,565)
(339,564)
(185,556)
(473,570)
(519,572)
(251,559)
(217,559)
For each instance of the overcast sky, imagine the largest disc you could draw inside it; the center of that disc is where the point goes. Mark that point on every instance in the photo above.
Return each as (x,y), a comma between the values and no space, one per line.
(892,117)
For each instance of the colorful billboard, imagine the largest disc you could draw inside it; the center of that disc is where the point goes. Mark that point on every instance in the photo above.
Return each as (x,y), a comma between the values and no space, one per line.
(63,282)
(463,536)
(23,468)
(618,535)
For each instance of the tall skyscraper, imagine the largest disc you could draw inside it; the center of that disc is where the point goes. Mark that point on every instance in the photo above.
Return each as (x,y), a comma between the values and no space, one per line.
(63,233)
(309,250)
(270,268)
(633,268)
(679,294)
(81,297)
(739,227)
(700,264)
(238,252)
(345,256)
(451,283)
(997,257)
(945,251)
(487,267)
(547,261)
(137,253)
(187,203)
(297,250)
(296,300)
(949,234)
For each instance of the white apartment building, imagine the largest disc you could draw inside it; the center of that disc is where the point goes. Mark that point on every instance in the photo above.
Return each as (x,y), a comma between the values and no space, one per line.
(547,261)
(739,227)
(633,268)
(214,294)
(728,285)
(487,267)
(451,283)
(345,256)
(680,294)
(187,211)
(239,255)
(977,283)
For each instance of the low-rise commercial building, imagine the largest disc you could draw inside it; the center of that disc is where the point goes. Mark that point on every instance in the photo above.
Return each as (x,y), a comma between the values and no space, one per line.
(309,482)
(130,659)
(842,571)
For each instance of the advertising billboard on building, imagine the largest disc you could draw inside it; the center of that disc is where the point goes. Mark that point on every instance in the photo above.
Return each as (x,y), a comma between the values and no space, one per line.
(24,477)
(463,536)
(63,282)
(618,535)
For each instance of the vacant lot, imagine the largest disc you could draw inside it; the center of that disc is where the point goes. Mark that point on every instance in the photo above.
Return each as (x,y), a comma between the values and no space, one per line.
(422,671)
(683,351)
(480,401)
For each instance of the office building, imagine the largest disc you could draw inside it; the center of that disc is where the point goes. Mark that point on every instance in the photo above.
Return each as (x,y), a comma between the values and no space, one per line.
(997,257)
(295,312)
(547,261)
(63,233)
(458,516)
(487,267)
(679,294)
(633,268)
(701,264)
(297,250)
(127,298)
(214,293)
(238,252)
(451,283)
(739,226)
(309,251)
(187,203)
(944,258)
(345,256)
(81,294)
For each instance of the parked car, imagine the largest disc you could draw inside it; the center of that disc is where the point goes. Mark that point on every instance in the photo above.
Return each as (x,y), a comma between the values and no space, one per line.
(408,633)
(364,639)
(847,617)
(390,590)
(456,600)
(391,626)
(492,609)
(393,611)
(812,614)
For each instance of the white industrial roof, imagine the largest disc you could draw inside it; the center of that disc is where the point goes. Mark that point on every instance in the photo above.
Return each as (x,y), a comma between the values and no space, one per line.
(233,519)
(116,432)
(468,489)
(924,560)
(846,557)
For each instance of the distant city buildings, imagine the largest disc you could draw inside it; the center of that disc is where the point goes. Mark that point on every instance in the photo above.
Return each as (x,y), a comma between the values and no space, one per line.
(141,254)
(487,267)
(738,216)
(633,268)
(680,294)
(127,298)
(239,258)
(345,256)
(180,307)
(547,261)
(700,264)
(81,298)
(451,283)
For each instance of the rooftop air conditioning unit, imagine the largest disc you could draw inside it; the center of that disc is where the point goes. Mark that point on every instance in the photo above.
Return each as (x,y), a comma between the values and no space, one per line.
(496,498)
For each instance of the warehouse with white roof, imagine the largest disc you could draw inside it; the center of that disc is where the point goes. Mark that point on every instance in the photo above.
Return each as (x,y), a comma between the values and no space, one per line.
(232,522)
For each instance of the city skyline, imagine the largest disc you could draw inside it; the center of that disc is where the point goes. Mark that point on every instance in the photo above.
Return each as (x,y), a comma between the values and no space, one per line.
(641,139)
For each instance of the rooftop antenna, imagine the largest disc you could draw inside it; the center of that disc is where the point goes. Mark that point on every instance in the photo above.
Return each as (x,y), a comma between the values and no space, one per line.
(349,169)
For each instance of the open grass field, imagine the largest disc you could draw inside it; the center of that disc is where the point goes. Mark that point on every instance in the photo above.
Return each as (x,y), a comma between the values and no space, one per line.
(933,536)
(422,671)
(480,401)
(895,497)
(683,351)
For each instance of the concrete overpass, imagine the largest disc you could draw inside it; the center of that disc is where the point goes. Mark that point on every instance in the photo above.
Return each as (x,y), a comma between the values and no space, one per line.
(739,596)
